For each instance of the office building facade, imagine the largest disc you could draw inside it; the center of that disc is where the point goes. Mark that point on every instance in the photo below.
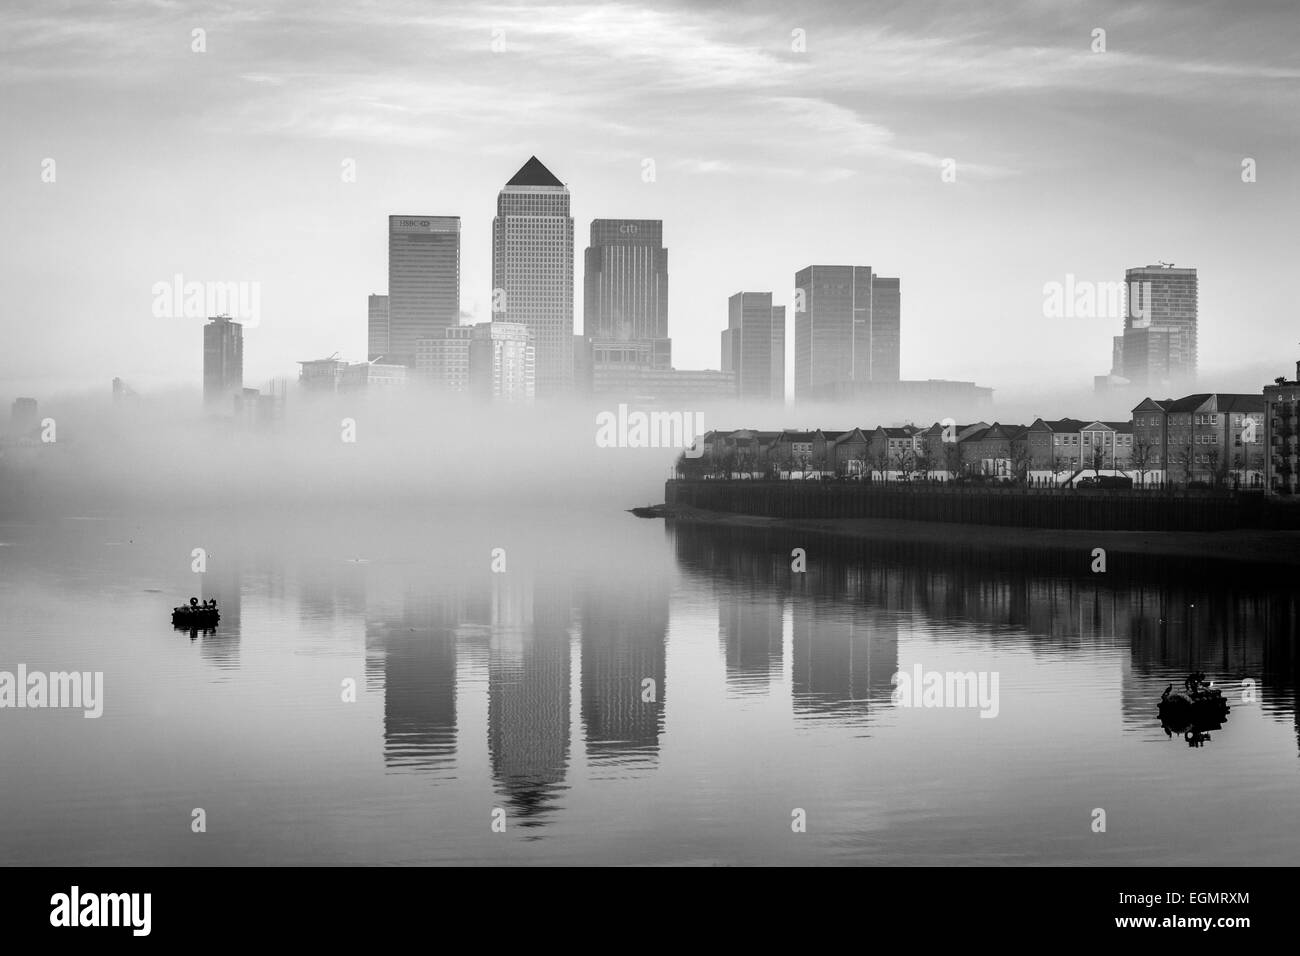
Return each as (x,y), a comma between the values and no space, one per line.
(1159,347)
(223,361)
(423,283)
(625,287)
(376,327)
(847,328)
(502,361)
(753,346)
(532,270)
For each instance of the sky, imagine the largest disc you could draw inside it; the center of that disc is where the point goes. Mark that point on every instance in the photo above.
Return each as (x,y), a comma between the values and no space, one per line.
(780,135)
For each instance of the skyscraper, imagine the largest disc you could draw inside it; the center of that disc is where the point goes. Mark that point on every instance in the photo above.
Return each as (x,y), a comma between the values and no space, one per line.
(444,362)
(625,287)
(377,327)
(847,328)
(502,361)
(753,346)
(1159,349)
(223,360)
(423,283)
(532,270)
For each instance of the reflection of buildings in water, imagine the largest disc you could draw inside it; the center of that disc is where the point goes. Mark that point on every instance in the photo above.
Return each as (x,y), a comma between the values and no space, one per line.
(750,632)
(327,591)
(843,658)
(528,694)
(415,664)
(411,656)
(624,634)
(1244,623)
(223,580)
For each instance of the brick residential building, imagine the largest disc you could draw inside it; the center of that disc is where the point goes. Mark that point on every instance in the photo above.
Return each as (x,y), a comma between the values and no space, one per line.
(1216,438)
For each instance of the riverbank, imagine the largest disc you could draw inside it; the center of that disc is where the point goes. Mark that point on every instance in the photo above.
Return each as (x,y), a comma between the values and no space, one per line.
(1243,546)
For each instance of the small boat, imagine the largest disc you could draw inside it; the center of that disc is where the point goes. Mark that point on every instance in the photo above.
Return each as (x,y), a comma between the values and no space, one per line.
(195,615)
(650,511)
(1198,707)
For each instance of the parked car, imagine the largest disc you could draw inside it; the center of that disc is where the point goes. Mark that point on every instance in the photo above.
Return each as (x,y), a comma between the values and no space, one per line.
(1086,482)
(1198,486)
(1114,481)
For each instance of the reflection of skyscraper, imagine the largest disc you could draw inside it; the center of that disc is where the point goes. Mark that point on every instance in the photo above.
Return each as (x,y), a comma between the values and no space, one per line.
(417,643)
(418,668)
(423,282)
(750,631)
(528,695)
(222,582)
(844,658)
(532,270)
(624,630)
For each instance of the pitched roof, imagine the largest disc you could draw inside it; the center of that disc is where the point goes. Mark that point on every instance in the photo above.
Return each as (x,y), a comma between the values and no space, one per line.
(533,173)
(1188,403)
(996,432)
(1241,403)
(1063,425)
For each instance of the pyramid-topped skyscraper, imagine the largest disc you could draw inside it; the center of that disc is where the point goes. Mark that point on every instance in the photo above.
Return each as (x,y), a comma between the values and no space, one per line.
(532,270)
(533,173)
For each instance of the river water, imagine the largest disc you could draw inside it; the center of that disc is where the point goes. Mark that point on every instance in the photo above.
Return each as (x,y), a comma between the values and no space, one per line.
(563,687)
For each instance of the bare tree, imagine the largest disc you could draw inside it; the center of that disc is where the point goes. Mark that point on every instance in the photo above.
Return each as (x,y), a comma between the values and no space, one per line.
(952,458)
(923,463)
(1185,457)
(1143,454)
(903,460)
(745,462)
(880,461)
(1218,466)
(1097,458)
(729,464)
(1021,458)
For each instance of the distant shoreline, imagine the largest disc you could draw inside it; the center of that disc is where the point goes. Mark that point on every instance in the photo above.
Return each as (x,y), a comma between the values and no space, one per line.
(1245,546)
